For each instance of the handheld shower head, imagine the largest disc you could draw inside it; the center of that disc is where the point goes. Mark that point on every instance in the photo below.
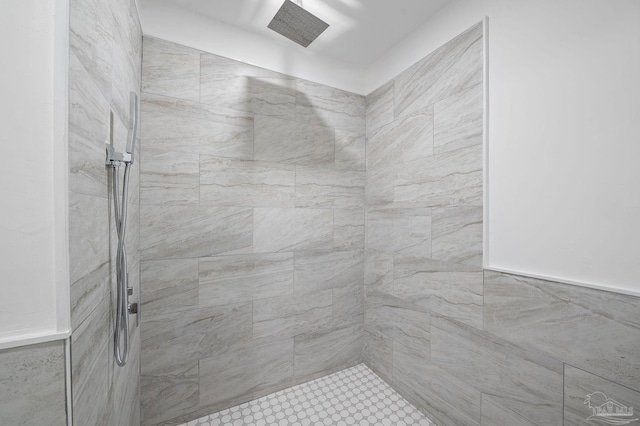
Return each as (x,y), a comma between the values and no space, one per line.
(133,123)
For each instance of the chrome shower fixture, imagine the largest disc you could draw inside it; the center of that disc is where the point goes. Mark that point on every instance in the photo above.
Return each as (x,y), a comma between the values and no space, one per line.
(296,24)
(124,308)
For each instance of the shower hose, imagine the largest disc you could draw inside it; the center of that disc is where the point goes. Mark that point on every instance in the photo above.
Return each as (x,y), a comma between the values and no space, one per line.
(121,334)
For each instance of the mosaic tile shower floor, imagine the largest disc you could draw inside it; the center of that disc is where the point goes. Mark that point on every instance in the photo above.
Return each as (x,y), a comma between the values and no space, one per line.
(355,396)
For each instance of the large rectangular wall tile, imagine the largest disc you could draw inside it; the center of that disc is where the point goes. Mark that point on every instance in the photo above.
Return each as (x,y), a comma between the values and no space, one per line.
(88,292)
(193,231)
(88,132)
(403,140)
(589,398)
(327,188)
(524,381)
(289,316)
(350,150)
(191,335)
(316,271)
(327,106)
(280,230)
(448,179)
(293,142)
(244,87)
(348,229)
(453,67)
(88,235)
(398,320)
(170,69)
(457,120)
(168,286)
(246,370)
(228,182)
(173,125)
(170,393)
(445,398)
(32,390)
(169,178)
(493,413)
(452,290)
(348,305)
(378,354)
(233,279)
(90,365)
(328,351)
(378,271)
(380,186)
(400,231)
(456,235)
(380,107)
(603,327)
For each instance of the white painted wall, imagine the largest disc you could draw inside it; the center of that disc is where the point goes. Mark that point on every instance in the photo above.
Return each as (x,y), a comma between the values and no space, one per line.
(168,22)
(34,285)
(564,133)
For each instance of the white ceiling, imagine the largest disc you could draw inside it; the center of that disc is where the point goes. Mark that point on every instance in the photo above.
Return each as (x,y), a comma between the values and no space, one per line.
(360,31)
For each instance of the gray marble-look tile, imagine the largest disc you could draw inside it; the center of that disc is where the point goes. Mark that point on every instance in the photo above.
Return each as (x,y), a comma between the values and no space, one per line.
(285,230)
(170,178)
(348,229)
(91,40)
(32,390)
(350,150)
(379,186)
(378,271)
(193,231)
(329,188)
(168,286)
(228,182)
(457,120)
(170,69)
(406,139)
(125,386)
(447,179)
(447,399)
(448,289)
(90,366)
(174,125)
(587,399)
(348,306)
(400,231)
(233,279)
(169,394)
(380,107)
(524,381)
(315,271)
(186,336)
(88,132)
(493,413)
(394,318)
(327,106)
(456,235)
(378,354)
(594,330)
(264,363)
(88,234)
(289,316)
(453,67)
(293,142)
(88,292)
(328,351)
(245,87)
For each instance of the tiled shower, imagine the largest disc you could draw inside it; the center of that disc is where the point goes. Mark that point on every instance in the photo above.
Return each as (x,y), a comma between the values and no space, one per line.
(282,231)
